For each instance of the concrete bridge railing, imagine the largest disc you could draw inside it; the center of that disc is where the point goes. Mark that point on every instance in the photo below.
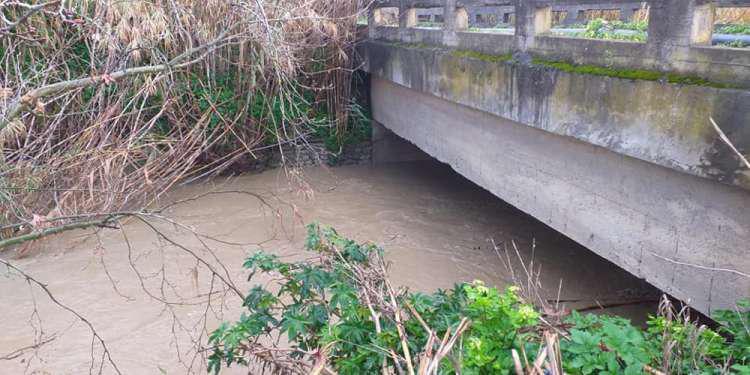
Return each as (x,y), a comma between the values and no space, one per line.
(489,14)
(679,34)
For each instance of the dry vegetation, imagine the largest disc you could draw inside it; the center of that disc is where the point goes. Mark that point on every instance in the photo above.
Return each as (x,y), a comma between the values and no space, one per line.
(724,15)
(732,15)
(605,14)
(105,105)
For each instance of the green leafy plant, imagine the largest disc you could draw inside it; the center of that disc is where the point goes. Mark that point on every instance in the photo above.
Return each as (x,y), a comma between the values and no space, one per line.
(500,323)
(359,128)
(615,30)
(605,345)
(342,308)
(735,29)
(338,313)
(736,324)
(692,348)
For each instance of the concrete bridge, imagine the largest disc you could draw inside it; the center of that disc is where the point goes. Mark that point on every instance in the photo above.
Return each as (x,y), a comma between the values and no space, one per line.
(608,142)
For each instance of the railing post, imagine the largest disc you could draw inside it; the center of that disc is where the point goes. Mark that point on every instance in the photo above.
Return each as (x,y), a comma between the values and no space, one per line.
(449,23)
(454,19)
(676,25)
(374,19)
(462,19)
(532,19)
(407,17)
(702,26)
(571,15)
(626,13)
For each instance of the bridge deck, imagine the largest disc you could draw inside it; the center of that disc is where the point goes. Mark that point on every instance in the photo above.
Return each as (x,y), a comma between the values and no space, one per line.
(619,154)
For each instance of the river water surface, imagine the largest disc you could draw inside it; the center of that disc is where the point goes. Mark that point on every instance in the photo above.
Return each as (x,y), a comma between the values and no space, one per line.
(436,227)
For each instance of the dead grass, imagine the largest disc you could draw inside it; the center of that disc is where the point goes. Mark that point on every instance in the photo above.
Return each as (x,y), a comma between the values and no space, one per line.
(724,15)
(732,15)
(105,105)
(605,14)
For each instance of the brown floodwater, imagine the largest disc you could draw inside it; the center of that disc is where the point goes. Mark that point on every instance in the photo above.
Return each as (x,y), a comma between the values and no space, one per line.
(436,227)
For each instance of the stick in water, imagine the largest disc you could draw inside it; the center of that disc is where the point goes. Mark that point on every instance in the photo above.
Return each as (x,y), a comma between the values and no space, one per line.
(729,143)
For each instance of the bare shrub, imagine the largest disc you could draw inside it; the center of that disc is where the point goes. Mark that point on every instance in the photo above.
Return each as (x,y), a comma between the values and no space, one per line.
(729,15)
(105,105)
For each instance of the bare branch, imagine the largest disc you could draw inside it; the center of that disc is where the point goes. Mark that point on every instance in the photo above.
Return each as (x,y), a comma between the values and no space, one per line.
(30,12)
(106,353)
(29,99)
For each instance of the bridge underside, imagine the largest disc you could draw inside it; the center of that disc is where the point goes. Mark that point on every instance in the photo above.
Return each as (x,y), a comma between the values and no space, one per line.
(685,234)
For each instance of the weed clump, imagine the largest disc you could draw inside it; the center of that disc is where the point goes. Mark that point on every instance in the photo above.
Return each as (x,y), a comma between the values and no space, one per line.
(734,29)
(108,113)
(616,30)
(634,74)
(340,314)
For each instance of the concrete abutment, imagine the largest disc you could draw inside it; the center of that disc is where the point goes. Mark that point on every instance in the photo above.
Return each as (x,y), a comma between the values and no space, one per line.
(684,234)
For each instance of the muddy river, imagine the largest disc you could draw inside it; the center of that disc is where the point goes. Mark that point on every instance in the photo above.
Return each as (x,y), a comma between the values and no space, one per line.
(436,227)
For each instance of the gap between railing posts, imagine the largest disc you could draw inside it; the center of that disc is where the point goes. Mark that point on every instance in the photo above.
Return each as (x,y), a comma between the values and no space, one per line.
(675,26)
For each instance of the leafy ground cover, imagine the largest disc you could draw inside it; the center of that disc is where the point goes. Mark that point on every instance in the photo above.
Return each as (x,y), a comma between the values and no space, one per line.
(734,29)
(615,30)
(339,313)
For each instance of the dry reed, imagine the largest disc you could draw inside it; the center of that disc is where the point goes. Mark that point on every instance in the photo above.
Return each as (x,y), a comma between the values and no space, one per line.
(732,15)
(105,105)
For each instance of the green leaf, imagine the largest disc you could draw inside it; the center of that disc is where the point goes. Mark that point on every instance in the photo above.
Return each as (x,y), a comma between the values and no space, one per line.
(263,261)
(293,323)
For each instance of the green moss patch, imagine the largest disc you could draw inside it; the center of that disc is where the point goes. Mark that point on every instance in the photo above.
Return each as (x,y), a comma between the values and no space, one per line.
(482,56)
(596,70)
(634,74)
(693,80)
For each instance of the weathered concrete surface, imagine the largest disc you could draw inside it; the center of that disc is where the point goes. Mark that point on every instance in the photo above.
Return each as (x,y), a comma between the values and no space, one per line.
(679,35)
(659,224)
(664,124)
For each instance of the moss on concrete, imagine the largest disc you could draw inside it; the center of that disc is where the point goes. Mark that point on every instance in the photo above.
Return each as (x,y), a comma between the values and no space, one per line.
(698,81)
(633,74)
(482,56)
